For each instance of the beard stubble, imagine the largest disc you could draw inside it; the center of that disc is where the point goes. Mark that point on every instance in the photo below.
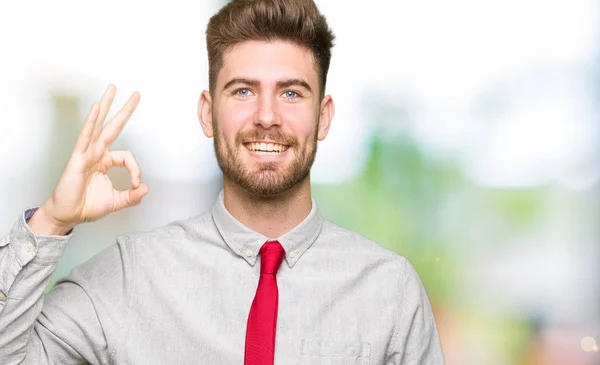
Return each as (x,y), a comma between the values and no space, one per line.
(271,178)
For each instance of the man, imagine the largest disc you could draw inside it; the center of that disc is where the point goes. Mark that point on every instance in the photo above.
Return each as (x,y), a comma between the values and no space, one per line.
(260,279)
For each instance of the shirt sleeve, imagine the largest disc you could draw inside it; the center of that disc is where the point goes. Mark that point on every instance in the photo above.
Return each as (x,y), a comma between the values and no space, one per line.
(415,340)
(66,325)
(18,249)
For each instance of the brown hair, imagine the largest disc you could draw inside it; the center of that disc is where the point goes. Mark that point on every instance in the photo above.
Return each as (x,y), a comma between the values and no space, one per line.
(297,21)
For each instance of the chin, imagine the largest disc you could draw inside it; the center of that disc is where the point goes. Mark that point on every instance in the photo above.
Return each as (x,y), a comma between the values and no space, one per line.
(266,184)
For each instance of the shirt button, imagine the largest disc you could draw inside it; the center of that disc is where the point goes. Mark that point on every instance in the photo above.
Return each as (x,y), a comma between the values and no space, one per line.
(292,254)
(29,247)
(2,297)
(248,252)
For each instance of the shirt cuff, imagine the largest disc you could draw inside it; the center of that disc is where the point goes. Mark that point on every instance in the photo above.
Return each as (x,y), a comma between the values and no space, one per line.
(47,249)
(21,246)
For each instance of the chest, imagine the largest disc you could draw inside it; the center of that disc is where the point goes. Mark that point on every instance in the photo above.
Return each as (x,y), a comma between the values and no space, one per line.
(341,316)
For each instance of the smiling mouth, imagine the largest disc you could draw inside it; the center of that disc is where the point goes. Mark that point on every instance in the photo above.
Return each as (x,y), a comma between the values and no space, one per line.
(266,148)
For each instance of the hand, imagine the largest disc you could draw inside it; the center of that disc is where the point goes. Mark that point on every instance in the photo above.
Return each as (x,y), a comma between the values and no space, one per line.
(84,192)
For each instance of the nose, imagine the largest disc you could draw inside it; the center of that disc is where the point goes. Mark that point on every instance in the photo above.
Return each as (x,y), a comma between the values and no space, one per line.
(266,113)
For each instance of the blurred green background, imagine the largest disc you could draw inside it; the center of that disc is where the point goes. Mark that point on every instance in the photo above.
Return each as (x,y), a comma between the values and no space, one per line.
(466,138)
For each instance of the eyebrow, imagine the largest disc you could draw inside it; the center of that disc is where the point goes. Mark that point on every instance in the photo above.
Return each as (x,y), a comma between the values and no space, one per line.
(293,82)
(241,80)
(280,84)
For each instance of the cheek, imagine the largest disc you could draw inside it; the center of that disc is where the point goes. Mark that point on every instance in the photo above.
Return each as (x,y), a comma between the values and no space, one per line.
(231,119)
(301,121)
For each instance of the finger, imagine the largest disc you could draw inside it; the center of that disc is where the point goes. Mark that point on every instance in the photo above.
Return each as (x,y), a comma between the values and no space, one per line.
(126,159)
(105,103)
(129,197)
(86,131)
(115,126)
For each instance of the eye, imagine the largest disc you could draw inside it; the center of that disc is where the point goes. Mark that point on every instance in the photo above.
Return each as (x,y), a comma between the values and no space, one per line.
(291,95)
(242,92)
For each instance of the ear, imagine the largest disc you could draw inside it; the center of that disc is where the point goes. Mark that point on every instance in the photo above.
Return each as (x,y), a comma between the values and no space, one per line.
(326,116)
(205,113)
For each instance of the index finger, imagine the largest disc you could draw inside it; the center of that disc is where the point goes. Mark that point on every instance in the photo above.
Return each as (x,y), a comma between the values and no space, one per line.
(111,131)
(85,135)
(105,103)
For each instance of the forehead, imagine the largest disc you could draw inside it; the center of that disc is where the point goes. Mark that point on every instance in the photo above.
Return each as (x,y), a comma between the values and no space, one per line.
(268,62)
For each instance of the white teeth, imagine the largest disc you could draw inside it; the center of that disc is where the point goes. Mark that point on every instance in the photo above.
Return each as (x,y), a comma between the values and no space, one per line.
(266,148)
(266,153)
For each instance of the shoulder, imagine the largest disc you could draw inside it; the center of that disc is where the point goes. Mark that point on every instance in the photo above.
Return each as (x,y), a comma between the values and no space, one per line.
(362,251)
(148,253)
(341,239)
(169,241)
(183,229)
(337,237)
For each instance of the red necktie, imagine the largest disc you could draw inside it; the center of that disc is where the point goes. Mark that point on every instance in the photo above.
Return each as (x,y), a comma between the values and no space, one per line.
(262,320)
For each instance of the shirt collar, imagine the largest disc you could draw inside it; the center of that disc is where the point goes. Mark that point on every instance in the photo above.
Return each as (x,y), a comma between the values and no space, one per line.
(246,243)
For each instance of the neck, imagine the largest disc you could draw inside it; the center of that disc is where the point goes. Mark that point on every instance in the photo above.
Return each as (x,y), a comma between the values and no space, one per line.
(269,216)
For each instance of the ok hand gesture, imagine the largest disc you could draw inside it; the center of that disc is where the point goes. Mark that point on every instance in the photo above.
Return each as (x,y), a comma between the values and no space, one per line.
(84,192)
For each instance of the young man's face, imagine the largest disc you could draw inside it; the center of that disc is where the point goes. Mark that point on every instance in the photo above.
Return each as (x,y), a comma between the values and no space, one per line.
(266,116)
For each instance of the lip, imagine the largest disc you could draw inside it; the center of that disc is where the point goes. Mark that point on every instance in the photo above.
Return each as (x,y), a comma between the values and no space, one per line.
(266,141)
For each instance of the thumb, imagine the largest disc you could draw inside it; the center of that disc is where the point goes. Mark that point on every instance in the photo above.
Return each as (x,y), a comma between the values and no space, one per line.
(130,197)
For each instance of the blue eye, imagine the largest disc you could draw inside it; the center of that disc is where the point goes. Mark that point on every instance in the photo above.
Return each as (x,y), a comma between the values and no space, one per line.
(242,92)
(290,94)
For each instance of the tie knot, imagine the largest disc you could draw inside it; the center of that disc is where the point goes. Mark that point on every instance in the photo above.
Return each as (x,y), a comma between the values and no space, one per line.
(271,257)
